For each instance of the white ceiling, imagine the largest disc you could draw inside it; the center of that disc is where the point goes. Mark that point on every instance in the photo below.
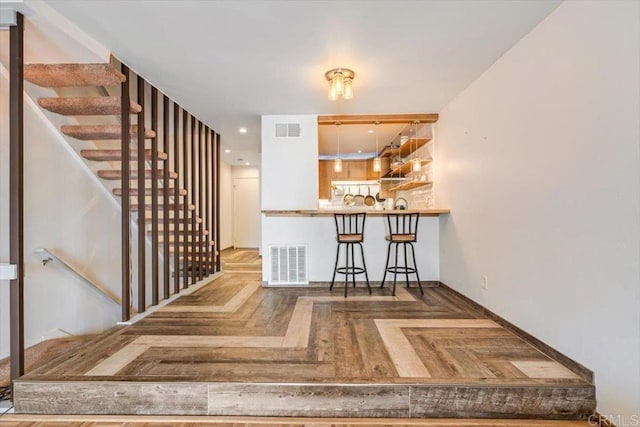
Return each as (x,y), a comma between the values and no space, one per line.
(228,62)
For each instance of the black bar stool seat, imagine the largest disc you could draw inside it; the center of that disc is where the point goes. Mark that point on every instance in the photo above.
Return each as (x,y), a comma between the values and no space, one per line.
(402,230)
(350,233)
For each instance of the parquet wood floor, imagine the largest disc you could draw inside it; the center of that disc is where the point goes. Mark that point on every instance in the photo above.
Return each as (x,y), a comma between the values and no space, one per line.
(234,331)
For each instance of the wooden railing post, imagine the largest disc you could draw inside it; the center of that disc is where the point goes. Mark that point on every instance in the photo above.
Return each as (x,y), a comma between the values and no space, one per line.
(165,196)
(142,303)
(125,146)
(201,242)
(155,282)
(185,212)
(193,200)
(207,202)
(217,208)
(16,195)
(176,196)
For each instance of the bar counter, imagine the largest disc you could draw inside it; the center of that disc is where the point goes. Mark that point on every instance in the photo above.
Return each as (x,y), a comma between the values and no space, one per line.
(370,212)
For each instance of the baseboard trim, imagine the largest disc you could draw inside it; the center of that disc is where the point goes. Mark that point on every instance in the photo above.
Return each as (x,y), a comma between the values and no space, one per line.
(339,284)
(579,369)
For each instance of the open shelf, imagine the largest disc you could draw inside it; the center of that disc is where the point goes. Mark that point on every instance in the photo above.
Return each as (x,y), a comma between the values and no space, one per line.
(405,168)
(405,149)
(410,185)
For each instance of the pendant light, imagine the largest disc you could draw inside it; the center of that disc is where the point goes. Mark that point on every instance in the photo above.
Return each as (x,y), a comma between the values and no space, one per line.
(377,163)
(337,163)
(416,163)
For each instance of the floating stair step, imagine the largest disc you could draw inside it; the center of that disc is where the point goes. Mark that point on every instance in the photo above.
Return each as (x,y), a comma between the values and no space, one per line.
(87,106)
(116,155)
(189,240)
(149,206)
(147,191)
(198,249)
(180,219)
(115,174)
(181,231)
(93,132)
(72,75)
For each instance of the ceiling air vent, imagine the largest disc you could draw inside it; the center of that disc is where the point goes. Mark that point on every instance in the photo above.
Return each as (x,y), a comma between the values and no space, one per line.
(287,130)
(288,265)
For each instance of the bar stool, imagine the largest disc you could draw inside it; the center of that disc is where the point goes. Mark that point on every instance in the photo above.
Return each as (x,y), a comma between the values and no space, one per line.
(402,230)
(350,233)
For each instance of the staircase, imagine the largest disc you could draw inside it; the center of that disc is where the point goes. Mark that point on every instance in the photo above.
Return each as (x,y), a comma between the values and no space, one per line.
(171,198)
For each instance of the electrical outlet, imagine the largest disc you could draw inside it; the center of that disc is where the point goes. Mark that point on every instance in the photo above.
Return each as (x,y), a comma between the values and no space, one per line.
(484,282)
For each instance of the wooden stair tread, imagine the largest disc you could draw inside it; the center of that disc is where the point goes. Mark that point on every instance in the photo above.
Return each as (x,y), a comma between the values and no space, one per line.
(87,105)
(198,249)
(147,191)
(182,232)
(149,206)
(189,240)
(114,174)
(93,132)
(72,75)
(181,229)
(116,155)
(180,219)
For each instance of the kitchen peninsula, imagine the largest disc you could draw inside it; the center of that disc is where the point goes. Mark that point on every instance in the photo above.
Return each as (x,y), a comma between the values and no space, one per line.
(298,230)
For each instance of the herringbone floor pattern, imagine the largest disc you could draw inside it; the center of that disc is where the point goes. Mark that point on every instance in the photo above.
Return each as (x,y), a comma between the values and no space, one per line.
(233,330)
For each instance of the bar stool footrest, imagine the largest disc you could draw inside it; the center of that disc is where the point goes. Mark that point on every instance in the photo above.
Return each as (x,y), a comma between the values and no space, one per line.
(401,270)
(350,270)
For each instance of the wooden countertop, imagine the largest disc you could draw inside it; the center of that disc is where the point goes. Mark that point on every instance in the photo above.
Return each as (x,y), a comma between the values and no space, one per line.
(370,212)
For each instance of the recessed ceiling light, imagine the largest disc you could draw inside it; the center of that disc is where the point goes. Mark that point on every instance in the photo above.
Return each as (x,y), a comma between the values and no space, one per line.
(359,151)
(247,164)
(242,130)
(370,131)
(227,151)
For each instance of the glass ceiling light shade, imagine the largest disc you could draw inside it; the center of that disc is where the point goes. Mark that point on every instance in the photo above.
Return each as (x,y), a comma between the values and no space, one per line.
(377,163)
(337,164)
(416,163)
(340,83)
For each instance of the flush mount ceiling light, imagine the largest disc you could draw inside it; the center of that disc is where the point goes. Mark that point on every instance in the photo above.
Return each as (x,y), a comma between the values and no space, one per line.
(340,83)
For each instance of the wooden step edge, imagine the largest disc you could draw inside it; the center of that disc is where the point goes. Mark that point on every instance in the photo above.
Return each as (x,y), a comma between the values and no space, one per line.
(116,174)
(148,207)
(98,155)
(102,132)
(147,191)
(87,106)
(181,232)
(73,75)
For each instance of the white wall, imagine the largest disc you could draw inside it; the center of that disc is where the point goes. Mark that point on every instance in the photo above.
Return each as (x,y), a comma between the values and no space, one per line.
(66,210)
(290,165)
(539,162)
(226,206)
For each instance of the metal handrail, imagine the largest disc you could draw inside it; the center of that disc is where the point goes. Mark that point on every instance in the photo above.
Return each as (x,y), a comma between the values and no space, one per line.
(50,254)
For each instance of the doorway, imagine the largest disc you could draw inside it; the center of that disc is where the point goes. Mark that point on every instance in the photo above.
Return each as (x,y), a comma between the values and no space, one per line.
(246,212)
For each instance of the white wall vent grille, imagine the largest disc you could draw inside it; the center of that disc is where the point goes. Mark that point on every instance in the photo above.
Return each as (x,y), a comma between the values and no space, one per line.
(288,265)
(287,130)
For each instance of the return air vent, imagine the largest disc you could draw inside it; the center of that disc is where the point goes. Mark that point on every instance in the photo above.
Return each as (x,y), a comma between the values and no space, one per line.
(287,130)
(288,265)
